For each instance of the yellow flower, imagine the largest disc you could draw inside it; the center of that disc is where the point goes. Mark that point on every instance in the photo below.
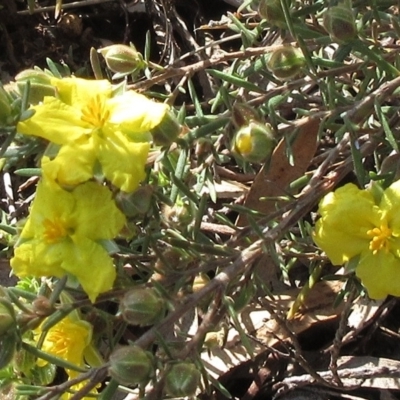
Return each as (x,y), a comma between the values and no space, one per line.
(354,223)
(62,236)
(93,127)
(68,339)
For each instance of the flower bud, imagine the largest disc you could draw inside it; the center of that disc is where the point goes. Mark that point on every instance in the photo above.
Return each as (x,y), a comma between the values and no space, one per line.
(131,365)
(182,380)
(272,11)
(42,306)
(7,316)
(122,59)
(286,62)
(340,23)
(167,130)
(142,306)
(40,84)
(254,142)
(136,203)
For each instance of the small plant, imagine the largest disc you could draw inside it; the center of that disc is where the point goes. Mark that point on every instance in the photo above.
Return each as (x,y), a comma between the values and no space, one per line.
(147,216)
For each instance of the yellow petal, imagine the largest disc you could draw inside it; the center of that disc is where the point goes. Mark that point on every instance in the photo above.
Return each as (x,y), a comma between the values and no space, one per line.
(346,216)
(77,92)
(34,258)
(72,165)
(379,274)
(339,246)
(97,213)
(91,265)
(50,203)
(123,162)
(56,122)
(135,113)
(390,206)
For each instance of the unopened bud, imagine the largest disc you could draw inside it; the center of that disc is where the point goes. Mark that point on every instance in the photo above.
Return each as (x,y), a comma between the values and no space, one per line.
(122,59)
(167,131)
(136,203)
(131,365)
(142,306)
(340,23)
(272,11)
(40,84)
(254,142)
(7,316)
(182,380)
(286,62)
(42,306)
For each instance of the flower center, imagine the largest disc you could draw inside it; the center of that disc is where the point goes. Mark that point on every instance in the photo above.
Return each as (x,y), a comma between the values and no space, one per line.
(379,238)
(60,342)
(95,113)
(54,230)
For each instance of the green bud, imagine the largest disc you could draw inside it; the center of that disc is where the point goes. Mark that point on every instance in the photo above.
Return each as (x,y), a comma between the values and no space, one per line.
(142,306)
(40,84)
(182,380)
(122,59)
(131,365)
(167,131)
(286,62)
(272,11)
(136,203)
(254,142)
(7,316)
(340,23)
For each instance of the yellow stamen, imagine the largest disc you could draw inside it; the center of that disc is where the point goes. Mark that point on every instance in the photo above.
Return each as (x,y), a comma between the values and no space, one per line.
(379,238)
(95,112)
(54,230)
